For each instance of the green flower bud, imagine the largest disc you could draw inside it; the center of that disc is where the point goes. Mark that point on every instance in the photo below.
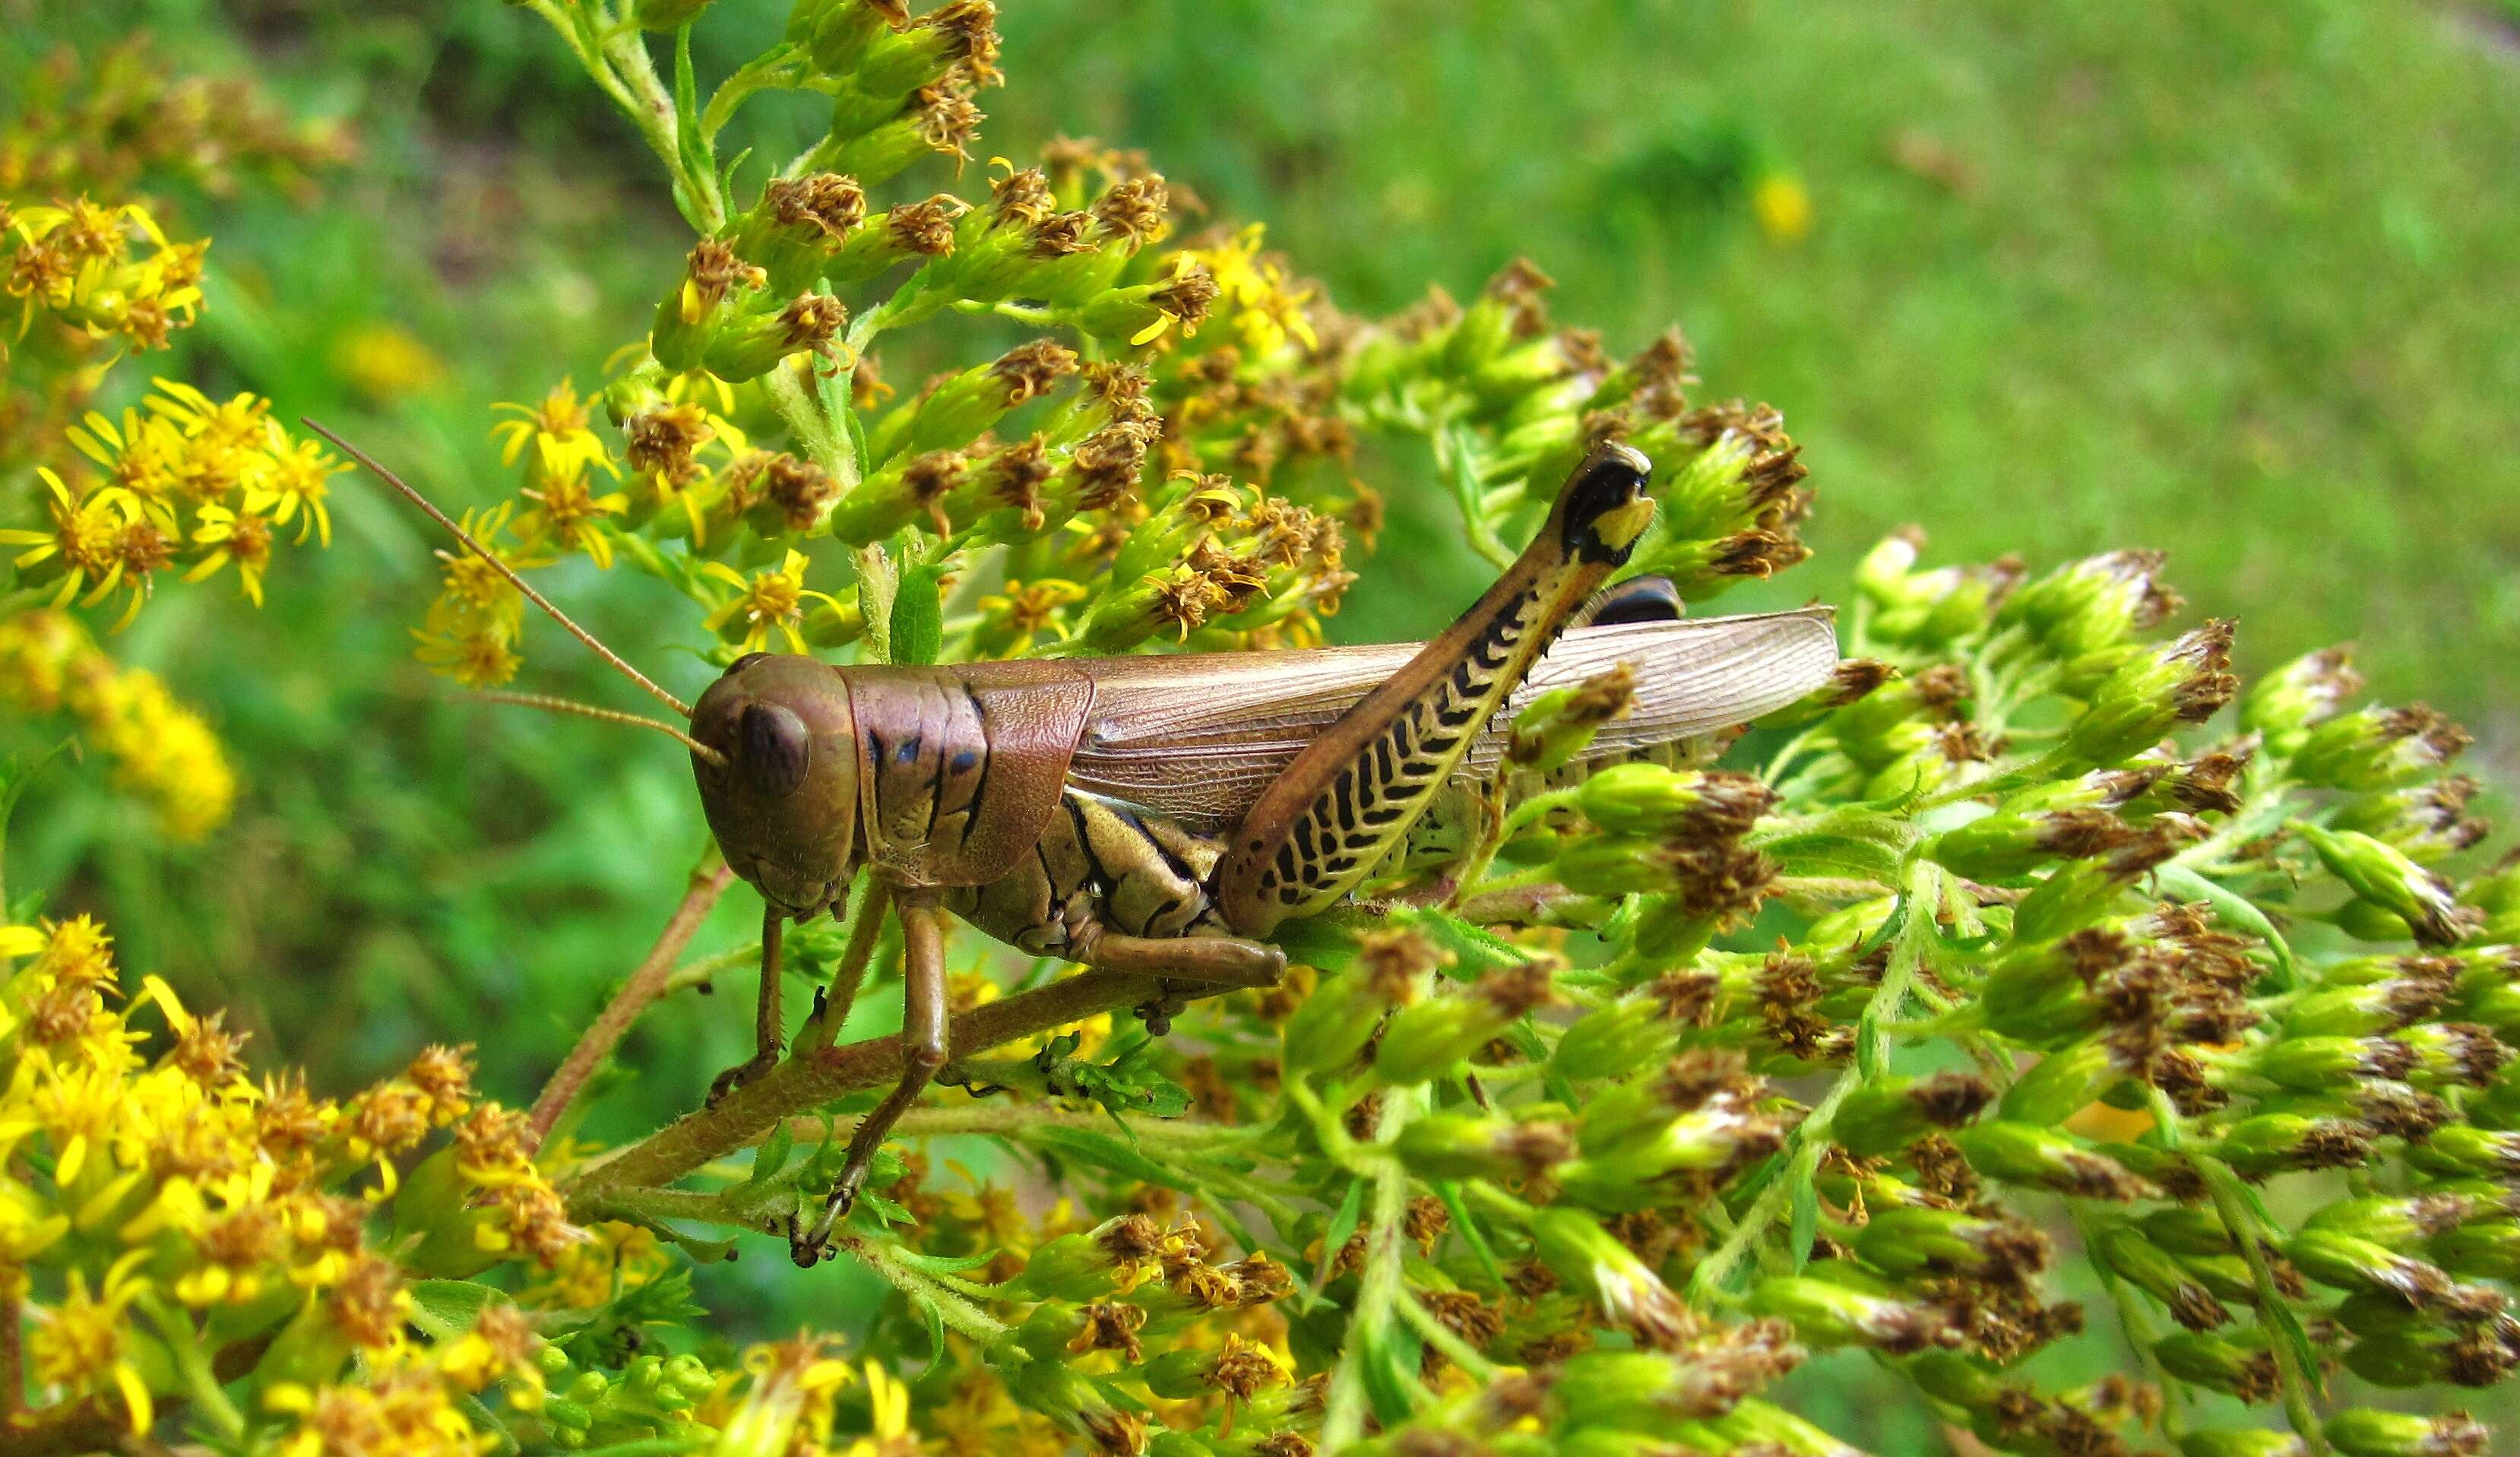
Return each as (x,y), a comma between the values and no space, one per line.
(716,284)
(2189,1231)
(2230,1443)
(1645,799)
(2061,1084)
(2496,896)
(964,406)
(2362,1432)
(2042,1157)
(2136,1260)
(2381,875)
(2464,1150)
(2312,1065)
(1725,1131)
(749,343)
(800,223)
(959,36)
(1435,1036)
(1583,1254)
(1466,1146)
(2400,1349)
(2488,1250)
(2399,1223)
(2080,891)
(1334,1022)
(1089,1265)
(2429,821)
(1961,1381)
(1556,725)
(2183,682)
(2303,693)
(1081,1403)
(1854,680)
(2347,1261)
(1951,1242)
(1612,1042)
(2365,1010)
(2097,603)
(2227,1365)
(835,33)
(1828,1314)
(2005,846)
(2378,748)
(911,231)
(2273,1143)
(1884,1116)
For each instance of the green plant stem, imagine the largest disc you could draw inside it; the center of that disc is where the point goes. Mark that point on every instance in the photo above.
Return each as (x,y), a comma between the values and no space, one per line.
(193,1364)
(2232,1204)
(1443,1337)
(650,109)
(1377,1291)
(1907,957)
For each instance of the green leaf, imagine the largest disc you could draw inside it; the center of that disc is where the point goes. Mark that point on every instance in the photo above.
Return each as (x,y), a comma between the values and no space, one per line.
(936,1319)
(1805,1228)
(447,1309)
(1449,1192)
(917,617)
(1105,1152)
(1342,1224)
(772,1157)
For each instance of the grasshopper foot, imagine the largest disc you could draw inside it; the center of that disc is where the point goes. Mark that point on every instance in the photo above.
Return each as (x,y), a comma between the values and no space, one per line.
(810,1248)
(744,1073)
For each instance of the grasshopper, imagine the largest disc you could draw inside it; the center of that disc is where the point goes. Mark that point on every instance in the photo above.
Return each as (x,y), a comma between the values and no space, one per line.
(1163,815)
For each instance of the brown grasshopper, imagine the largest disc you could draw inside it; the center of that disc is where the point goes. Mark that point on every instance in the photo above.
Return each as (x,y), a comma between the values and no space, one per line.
(1163,815)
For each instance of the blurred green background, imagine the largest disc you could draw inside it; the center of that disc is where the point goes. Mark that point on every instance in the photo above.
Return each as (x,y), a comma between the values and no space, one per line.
(2236,281)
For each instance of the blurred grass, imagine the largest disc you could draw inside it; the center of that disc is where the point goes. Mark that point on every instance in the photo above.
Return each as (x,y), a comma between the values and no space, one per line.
(2233,281)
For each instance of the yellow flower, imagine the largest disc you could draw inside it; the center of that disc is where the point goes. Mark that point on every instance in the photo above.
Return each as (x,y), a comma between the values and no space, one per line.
(386,362)
(1254,295)
(292,480)
(1782,206)
(241,537)
(561,430)
(766,602)
(143,455)
(80,1347)
(85,544)
(566,512)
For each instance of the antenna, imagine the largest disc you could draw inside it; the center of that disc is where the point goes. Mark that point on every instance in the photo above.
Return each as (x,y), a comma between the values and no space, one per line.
(551,705)
(681,709)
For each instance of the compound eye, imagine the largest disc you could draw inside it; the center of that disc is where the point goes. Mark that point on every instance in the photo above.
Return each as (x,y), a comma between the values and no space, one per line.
(746,661)
(773,749)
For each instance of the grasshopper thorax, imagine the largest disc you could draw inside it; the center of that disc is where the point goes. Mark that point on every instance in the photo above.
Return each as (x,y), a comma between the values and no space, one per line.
(784,804)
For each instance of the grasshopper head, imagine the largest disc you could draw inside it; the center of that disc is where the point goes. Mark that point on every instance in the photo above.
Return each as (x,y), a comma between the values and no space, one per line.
(1603,508)
(784,804)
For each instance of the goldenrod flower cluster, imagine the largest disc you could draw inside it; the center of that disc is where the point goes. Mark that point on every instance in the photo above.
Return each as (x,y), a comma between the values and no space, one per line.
(2034,936)
(97,507)
(160,750)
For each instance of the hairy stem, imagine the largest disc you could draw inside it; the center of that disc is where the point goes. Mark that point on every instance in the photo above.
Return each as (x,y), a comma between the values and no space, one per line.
(808,1082)
(650,980)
